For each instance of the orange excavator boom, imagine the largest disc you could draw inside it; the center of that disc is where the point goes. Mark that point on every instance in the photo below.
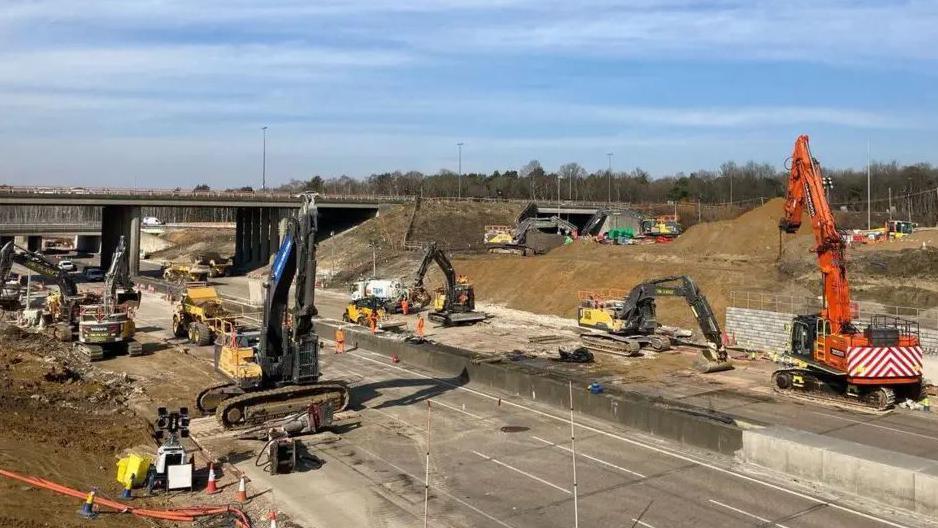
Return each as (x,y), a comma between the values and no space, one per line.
(806,190)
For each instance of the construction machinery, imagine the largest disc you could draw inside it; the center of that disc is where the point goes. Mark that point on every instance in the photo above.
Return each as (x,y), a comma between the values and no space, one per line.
(626,323)
(10,287)
(201,316)
(107,327)
(62,309)
(454,303)
(505,239)
(218,266)
(831,357)
(387,292)
(275,373)
(186,272)
(359,312)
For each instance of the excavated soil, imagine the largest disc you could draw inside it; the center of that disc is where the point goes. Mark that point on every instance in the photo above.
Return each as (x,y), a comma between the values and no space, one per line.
(61,420)
(187,242)
(722,257)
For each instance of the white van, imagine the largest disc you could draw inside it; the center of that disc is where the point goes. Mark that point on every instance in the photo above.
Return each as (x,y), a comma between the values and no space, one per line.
(151,221)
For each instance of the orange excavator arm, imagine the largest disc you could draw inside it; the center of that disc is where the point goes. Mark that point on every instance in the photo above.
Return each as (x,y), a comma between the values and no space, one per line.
(806,190)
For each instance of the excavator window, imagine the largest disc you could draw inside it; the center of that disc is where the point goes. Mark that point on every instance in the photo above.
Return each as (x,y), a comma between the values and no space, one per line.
(801,339)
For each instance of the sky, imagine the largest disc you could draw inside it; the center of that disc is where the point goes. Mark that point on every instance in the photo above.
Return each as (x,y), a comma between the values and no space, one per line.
(165,93)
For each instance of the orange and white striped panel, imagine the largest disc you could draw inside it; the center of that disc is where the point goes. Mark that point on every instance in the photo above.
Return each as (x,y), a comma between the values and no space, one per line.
(884,362)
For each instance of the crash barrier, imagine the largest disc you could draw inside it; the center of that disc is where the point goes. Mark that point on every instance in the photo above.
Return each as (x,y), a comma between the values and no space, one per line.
(692,426)
(896,479)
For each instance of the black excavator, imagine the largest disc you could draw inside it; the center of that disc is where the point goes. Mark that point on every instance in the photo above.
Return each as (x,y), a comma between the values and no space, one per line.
(62,306)
(274,373)
(107,327)
(455,303)
(630,322)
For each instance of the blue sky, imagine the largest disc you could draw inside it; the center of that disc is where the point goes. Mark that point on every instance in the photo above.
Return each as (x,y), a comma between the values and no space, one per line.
(166,93)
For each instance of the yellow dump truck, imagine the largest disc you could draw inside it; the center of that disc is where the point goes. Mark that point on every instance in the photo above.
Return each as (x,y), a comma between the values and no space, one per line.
(201,316)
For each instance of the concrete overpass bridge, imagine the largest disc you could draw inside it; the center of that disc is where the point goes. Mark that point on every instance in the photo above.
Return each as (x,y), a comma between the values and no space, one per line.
(258,214)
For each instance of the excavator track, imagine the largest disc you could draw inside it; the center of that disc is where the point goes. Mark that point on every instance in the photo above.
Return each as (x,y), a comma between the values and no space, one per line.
(627,346)
(879,401)
(201,402)
(255,408)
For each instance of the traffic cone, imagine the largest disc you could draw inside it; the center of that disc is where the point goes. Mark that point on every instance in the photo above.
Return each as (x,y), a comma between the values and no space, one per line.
(212,487)
(127,494)
(394,358)
(242,495)
(273,519)
(87,508)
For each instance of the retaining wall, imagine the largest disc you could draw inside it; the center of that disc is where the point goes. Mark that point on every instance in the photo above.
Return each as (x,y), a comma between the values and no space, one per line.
(897,479)
(684,423)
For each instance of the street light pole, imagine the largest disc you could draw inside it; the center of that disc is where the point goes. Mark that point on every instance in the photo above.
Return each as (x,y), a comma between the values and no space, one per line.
(459,177)
(609,198)
(264,162)
(869,222)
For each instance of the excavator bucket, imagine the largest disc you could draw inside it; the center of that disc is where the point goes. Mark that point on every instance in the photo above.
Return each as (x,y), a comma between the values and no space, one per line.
(710,360)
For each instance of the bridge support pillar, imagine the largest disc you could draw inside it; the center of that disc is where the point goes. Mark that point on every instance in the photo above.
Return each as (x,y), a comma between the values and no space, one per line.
(117,221)
(264,235)
(88,243)
(29,242)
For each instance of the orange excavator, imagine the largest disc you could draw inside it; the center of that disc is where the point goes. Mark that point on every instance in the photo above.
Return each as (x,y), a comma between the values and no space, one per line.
(830,357)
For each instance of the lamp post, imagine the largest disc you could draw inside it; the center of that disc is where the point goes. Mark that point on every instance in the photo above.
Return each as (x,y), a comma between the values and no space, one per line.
(264,161)
(459,173)
(609,198)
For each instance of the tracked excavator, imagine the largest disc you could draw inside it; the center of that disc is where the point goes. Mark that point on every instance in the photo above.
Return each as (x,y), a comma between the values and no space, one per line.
(831,357)
(107,328)
(629,322)
(9,289)
(63,306)
(455,304)
(275,373)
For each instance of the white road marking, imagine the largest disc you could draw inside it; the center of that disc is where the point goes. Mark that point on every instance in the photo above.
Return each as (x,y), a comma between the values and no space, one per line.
(525,473)
(878,426)
(744,512)
(686,458)
(594,459)
(440,491)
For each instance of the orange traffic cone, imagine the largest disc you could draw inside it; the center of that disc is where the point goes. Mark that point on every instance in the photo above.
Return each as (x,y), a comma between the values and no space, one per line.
(212,487)
(394,358)
(273,519)
(242,495)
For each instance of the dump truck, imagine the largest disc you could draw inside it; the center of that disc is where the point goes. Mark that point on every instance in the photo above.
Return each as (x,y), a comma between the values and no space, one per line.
(200,316)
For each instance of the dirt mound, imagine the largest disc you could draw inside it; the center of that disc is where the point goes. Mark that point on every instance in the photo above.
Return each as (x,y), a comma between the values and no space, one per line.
(458,226)
(62,420)
(190,241)
(753,234)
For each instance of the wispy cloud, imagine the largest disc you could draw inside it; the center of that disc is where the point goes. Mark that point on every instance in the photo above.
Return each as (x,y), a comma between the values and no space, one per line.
(390,77)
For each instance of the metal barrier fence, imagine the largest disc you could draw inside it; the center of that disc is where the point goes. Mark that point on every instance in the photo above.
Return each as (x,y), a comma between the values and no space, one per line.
(799,304)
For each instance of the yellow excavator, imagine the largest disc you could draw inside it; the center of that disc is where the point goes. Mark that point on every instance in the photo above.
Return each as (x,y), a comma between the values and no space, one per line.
(623,324)
(454,303)
(274,373)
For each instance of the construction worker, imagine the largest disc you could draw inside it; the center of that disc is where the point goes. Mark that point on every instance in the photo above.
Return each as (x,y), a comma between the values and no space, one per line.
(926,405)
(420,325)
(405,306)
(339,340)
(373,321)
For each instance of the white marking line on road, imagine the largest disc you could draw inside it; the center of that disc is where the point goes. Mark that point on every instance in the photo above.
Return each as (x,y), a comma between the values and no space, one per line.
(594,459)
(744,512)
(435,490)
(878,426)
(525,473)
(642,523)
(663,451)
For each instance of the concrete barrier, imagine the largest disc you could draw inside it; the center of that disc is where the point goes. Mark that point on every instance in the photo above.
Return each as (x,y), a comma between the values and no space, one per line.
(887,477)
(684,423)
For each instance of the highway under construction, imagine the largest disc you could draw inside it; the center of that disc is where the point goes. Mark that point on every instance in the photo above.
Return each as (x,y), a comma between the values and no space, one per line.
(614,369)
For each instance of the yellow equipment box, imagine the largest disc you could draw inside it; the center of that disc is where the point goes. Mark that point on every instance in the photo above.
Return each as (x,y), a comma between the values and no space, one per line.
(135,466)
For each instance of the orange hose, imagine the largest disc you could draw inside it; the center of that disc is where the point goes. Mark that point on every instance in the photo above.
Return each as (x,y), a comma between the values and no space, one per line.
(188,514)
